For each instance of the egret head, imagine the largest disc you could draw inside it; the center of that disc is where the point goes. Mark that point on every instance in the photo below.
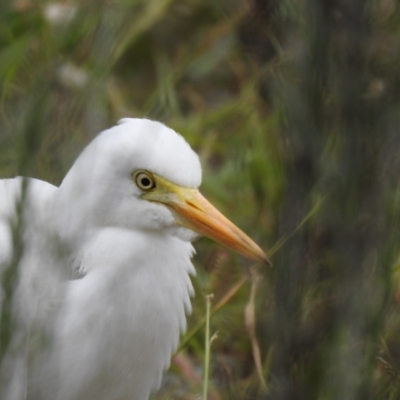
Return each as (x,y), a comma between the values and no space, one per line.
(142,175)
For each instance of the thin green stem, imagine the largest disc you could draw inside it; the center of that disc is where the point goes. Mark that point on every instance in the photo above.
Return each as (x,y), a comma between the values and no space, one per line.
(207,347)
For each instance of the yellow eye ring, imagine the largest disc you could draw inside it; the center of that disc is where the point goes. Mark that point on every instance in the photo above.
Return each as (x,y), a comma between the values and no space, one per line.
(145,181)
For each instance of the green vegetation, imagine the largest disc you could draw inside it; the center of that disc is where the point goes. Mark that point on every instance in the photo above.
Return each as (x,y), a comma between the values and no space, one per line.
(294,108)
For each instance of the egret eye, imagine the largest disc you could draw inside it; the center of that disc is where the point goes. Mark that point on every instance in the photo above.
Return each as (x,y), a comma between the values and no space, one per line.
(145,181)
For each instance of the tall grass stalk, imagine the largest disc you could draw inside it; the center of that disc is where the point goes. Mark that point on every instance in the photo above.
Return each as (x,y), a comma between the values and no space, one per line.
(208,341)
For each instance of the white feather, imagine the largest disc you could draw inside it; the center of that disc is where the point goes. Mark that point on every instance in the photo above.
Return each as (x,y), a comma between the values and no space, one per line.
(111,333)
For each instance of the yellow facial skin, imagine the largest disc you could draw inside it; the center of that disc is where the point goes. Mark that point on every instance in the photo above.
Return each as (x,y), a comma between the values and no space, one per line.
(193,211)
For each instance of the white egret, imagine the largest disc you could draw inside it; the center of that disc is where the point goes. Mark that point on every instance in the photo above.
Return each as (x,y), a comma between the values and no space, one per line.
(103,266)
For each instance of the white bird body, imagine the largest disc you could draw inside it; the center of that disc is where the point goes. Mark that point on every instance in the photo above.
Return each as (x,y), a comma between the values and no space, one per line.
(110,333)
(134,311)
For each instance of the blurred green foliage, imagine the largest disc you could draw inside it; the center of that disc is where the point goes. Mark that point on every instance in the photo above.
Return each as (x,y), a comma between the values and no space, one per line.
(293,107)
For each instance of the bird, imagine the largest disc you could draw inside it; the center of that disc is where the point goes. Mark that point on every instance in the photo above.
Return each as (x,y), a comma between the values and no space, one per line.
(103,266)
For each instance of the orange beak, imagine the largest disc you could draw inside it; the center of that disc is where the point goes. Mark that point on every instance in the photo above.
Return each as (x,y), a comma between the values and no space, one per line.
(194,211)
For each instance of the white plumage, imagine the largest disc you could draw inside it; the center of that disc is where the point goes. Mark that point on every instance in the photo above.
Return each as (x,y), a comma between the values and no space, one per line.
(103,272)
